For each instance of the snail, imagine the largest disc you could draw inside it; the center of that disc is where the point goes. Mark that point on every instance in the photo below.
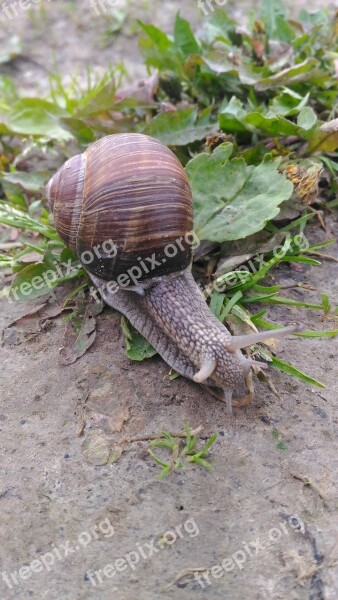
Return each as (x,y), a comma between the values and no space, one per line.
(126,203)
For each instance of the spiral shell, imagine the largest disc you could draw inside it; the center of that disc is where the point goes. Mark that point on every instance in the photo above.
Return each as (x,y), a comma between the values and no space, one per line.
(126,191)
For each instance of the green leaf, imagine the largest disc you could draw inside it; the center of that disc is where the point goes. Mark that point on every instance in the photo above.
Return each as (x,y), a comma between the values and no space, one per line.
(216,303)
(39,279)
(232,116)
(231,199)
(273,125)
(78,129)
(218,26)
(274,299)
(326,303)
(159,50)
(32,182)
(218,61)
(267,290)
(158,37)
(299,72)
(207,445)
(230,305)
(311,18)
(318,334)
(180,127)
(302,259)
(80,332)
(22,288)
(159,462)
(307,118)
(288,103)
(187,433)
(200,461)
(184,37)
(332,166)
(325,139)
(290,369)
(20,220)
(32,116)
(138,348)
(269,13)
(257,320)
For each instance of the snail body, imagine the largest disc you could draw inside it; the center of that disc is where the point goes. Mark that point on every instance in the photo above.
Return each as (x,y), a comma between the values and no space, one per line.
(126,202)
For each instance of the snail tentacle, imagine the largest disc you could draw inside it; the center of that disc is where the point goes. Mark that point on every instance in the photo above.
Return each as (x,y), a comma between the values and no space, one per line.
(243,341)
(206,370)
(228,399)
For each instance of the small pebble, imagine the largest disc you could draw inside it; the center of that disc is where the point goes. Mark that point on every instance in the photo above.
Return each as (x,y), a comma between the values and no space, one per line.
(320,412)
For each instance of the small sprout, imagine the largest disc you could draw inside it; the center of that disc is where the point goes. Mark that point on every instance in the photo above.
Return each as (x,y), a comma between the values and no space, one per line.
(181,454)
(278,437)
(327,306)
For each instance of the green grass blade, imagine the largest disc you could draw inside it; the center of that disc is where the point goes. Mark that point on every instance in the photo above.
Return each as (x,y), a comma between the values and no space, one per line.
(318,334)
(320,245)
(265,289)
(301,259)
(18,219)
(230,304)
(272,299)
(298,222)
(305,334)
(290,369)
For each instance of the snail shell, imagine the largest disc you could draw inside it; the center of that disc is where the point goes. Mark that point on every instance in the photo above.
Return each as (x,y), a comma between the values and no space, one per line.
(128,189)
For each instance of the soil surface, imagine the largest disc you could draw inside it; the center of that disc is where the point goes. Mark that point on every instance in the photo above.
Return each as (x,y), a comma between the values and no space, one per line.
(268,511)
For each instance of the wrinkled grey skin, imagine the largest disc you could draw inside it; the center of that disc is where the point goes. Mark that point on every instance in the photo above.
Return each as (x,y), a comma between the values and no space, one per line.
(173,316)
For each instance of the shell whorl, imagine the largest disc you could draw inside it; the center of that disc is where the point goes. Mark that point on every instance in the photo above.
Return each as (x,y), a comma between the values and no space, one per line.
(64,192)
(128,189)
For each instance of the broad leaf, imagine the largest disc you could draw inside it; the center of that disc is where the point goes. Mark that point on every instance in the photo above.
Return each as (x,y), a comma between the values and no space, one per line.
(270,13)
(288,103)
(32,116)
(235,119)
(138,348)
(325,138)
(32,182)
(231,199)
(80,332)
(184,37)
(39,279)
(180,127)
(300,72)
(307,118)
(159,50)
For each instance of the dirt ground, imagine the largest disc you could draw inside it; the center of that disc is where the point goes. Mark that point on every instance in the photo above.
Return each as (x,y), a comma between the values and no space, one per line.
(269,506)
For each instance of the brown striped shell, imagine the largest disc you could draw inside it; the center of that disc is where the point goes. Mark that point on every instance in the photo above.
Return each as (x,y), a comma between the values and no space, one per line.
(126,191)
